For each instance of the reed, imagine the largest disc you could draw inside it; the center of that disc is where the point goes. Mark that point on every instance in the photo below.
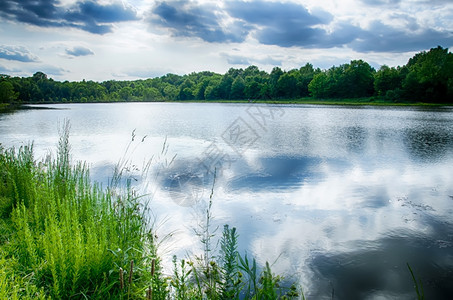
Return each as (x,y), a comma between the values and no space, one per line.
(417,285)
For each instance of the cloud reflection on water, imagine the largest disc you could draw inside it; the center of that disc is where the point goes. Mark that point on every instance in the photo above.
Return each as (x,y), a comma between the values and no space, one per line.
(338,196)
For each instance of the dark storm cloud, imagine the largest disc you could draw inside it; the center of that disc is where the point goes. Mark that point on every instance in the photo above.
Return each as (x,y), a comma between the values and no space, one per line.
(111,13)
(86,15)
(273,14)
(384,38)
(40,13)
(188,19)
(291,24)
(79,51)
(17,53)
(274,23)
(310,37)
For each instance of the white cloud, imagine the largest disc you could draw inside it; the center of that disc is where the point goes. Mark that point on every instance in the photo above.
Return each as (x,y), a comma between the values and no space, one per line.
(194,37)
(17,53)
(79,51)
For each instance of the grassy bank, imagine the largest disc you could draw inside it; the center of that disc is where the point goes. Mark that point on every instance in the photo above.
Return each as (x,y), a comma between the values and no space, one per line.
(64,237)
(371,101)
(4,107)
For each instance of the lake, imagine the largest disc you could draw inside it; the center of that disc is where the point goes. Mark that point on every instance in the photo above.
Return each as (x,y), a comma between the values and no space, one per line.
(339,199)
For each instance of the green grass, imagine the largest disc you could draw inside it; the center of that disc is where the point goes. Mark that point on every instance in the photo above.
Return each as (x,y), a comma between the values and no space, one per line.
(369,101)
(4,107)
(64,237)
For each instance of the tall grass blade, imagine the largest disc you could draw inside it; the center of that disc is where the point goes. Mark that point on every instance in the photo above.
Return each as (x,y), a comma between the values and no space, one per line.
(418,285)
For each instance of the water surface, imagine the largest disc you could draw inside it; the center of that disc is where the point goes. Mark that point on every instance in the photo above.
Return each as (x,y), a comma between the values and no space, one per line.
(340,198)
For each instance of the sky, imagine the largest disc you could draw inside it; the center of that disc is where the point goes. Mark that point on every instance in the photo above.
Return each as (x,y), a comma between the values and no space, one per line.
(137,39)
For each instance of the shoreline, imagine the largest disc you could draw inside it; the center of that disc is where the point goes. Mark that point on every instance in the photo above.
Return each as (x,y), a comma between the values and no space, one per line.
(310,101)
(8,107)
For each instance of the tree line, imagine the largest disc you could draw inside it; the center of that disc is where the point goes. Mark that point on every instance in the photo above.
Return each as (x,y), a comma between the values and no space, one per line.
(427,77)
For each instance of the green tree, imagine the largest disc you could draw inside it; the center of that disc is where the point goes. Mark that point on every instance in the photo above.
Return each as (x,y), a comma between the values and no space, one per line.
(319,85)
(224,88)
(357,81)
(38,82)
(345,81)
(252,87)
(125,93)
(329,83)
(65,91)
(237,89)
(7,93)
(39,76)
(387,82)
(287,85)
(151,94)
(307,73)
(265,91)
(235,72)
(170,92)
(430,76)
(251,71)
(212,90)
(201,88)
(172,79)
(186,90)
(273,79)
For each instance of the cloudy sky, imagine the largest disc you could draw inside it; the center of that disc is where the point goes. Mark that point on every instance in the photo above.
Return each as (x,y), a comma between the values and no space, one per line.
(132,39)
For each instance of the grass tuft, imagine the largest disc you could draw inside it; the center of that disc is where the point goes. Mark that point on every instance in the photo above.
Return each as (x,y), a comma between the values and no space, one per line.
(65,233)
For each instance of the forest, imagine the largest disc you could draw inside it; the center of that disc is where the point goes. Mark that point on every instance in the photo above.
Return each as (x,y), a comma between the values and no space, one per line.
(427,77)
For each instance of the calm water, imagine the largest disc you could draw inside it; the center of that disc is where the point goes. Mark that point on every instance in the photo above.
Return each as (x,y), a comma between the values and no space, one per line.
(341,198)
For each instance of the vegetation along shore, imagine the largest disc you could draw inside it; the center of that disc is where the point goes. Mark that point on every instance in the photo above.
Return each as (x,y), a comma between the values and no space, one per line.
(64,237)
(426,78)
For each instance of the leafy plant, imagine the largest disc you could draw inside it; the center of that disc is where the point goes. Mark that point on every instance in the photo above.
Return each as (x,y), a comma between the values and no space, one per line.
(229,260)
